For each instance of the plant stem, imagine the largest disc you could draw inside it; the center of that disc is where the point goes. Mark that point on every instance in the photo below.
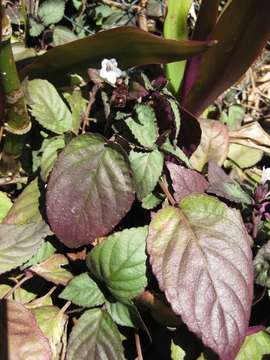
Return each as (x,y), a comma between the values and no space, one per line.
(17,122)
(167,192)
(138,346)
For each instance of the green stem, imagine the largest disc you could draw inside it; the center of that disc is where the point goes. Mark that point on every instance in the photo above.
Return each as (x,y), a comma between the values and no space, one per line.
(17,121)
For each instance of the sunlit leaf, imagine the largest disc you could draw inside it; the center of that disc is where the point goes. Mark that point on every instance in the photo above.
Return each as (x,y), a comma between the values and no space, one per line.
(130,46)
(49,155)
(243,156)
(144,126)
(175,27)
(18,243)
(251,135)
(120,262)
(186,181)
(51,11)
(52,321)
(43,253)
(151,201)
(78,106)
(95,336)
(222,185)
(125,314)
(25,209)
(4,289)
(83,291)
(89,191)
(219,67)
(63,35)
(214,144)
(47,106)
(24,339)
(23,296)
(147,168)
(5,205)
(52,270)
(201,256)
(255,347)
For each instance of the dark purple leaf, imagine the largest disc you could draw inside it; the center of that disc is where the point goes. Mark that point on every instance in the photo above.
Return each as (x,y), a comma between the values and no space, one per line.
(89,191)
(242,30)
(186,181)
(130,46)
(222,185)
(24,339)
(201,256)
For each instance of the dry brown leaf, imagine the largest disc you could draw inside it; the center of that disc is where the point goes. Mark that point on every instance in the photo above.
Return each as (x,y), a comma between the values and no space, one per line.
(214,144)
(251,135)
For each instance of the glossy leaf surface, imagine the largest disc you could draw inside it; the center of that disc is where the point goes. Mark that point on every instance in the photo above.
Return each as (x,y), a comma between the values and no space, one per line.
(83,291)
(25,340)
(186,181)
(201,256)
(18,243)
(120,262)
(94,337)
(243,38)
(128,45)
(89,191)
(147,168)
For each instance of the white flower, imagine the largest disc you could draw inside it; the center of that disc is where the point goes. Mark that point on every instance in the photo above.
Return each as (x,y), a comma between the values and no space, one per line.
(265,175)
(109,71)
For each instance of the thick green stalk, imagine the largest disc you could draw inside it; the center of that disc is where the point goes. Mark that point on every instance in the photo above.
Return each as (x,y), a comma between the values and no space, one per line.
(17,122)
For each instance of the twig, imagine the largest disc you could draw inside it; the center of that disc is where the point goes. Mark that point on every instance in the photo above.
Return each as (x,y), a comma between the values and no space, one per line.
(138,345)
(167,192)
(19,284)
(92,99)
(135,8)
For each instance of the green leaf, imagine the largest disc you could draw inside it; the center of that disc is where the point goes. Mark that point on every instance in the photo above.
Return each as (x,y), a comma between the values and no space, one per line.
(63,35)
(5,205)
(83,291)
(201,256)
(51,269)
(47,106)
(89,191)
(51,11)
(78,107)
(243,156)
(147,169)
(175,28)
(128,45)
(4,289)
(177,353)
(77,4)
(21,52)
(23,296)
(255,347)
(125,314)
(49,156)
(18,243)
(219,67)
(120,262)
(234,118)
(43,253)
(177,118)
(151,201)
(52,321)
(36,28)
(26,207)
(144,127)
(167,147)
(95,336)
(24,339)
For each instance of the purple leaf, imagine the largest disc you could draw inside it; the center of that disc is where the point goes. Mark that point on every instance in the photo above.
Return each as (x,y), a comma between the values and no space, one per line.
(24,339)
(186,181)
(241,31)
(201,256)
(89,191)
(222,185)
